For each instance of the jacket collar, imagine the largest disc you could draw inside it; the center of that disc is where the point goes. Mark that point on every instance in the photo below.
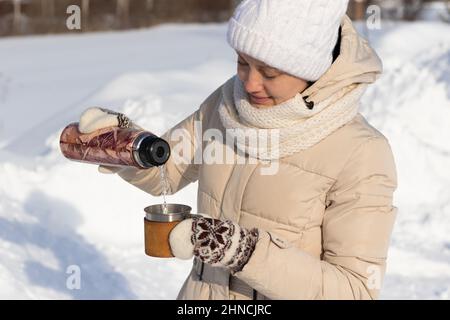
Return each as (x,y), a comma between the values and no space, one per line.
(357,63)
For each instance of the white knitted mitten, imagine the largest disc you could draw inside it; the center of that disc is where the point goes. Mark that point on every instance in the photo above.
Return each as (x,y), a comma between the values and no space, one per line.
(216,242)
(97,118)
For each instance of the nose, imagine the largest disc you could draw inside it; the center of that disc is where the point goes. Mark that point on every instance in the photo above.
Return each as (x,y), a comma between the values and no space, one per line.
(252,82)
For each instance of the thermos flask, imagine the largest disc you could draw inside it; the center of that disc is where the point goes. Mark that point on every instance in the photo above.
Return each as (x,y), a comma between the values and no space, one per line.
(114,146)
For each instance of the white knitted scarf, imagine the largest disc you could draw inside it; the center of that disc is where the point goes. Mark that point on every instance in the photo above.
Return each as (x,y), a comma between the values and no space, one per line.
(286,128)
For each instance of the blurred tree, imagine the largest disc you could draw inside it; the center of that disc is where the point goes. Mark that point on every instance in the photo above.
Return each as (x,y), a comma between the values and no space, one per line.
(236,2)
(357,9)
(123,12)
(85,14)
(150,4)
(446,17)
(400,9)
(48,8)
(47,16)
(19,20)
(411,9)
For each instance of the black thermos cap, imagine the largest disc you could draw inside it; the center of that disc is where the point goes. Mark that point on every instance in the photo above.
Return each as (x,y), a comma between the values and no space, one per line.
(154,151)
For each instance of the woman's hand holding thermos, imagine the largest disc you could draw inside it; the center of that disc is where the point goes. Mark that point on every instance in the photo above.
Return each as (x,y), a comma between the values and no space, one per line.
(111,140)
(94,119)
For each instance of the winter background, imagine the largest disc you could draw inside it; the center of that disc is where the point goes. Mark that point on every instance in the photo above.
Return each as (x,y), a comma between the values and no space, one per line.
(56,214)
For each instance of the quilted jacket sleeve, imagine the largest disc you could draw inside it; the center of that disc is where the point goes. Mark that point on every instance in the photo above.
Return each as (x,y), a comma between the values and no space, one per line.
(356,231)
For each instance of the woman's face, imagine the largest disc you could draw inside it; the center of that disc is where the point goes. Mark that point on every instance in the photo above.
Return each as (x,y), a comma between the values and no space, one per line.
(267,86)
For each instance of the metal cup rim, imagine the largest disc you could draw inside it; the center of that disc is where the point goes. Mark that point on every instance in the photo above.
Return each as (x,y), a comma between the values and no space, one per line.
(176,212)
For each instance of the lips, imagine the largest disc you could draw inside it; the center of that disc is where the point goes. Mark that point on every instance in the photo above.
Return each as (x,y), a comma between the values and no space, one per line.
(259,99)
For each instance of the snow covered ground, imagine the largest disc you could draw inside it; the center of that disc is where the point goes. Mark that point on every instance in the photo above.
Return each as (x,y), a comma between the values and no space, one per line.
(56,214)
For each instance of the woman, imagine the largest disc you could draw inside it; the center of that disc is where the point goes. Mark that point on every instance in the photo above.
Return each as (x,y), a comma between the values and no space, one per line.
(318,225)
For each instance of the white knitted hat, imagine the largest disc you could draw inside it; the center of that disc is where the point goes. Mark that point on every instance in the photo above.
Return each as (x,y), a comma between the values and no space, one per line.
(294,36)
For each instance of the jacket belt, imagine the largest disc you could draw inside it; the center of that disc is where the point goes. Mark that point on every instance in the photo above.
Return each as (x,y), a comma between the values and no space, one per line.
(206,272)
(239,286)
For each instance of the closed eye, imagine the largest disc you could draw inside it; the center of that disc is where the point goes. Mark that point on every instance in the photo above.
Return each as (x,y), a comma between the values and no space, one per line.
(270,77)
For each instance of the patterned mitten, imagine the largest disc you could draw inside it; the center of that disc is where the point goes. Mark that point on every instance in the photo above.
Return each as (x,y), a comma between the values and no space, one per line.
(216,242)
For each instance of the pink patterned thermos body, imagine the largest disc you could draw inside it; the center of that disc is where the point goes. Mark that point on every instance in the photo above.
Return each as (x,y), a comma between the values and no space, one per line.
(114,146)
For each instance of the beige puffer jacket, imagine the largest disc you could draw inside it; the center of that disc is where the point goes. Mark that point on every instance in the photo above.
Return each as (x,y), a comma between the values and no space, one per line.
(326,216)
